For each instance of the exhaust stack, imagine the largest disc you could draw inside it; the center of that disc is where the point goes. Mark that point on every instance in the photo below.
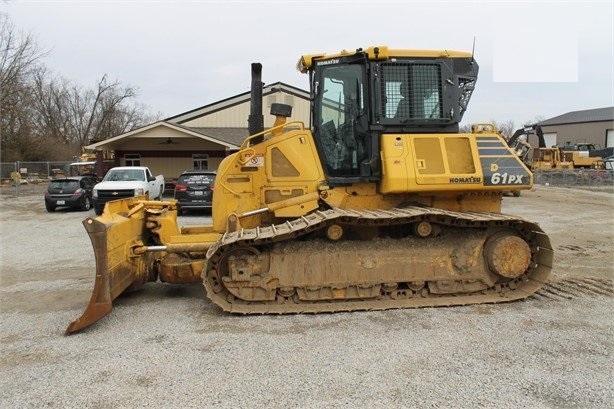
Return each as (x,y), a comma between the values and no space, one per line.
(255,121)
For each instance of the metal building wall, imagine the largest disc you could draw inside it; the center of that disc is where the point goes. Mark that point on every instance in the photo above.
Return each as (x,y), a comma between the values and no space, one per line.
(589,132)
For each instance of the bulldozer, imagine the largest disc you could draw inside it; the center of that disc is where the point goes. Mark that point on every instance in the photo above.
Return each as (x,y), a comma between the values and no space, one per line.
(379,203)
(586,155)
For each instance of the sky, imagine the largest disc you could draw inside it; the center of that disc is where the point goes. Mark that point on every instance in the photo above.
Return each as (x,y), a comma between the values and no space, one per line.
(538,59)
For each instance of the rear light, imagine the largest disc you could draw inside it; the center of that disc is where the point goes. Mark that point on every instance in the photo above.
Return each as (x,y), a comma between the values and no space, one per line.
(47,194)
(180,188)
(78,192)
(211,187)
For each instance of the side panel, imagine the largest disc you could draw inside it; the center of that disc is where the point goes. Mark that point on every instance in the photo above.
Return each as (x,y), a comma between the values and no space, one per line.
(501,168)
(429,163)
(450,162)
(281,167)
(395,156)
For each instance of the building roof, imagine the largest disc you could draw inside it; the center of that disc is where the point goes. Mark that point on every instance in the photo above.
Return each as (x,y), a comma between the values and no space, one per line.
(588,115)
(233,136)
(236,100)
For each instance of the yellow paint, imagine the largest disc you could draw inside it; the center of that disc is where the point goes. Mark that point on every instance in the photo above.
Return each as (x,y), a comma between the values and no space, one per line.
(428,163)
(378,53)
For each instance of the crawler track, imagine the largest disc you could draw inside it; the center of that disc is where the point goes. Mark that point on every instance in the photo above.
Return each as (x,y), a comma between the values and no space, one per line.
(304,233)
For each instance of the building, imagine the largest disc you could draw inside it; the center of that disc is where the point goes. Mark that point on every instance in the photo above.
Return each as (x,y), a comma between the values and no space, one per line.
(594,126)
(199,139)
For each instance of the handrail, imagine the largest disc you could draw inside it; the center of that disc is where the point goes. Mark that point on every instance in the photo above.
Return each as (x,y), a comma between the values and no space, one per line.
(246,144)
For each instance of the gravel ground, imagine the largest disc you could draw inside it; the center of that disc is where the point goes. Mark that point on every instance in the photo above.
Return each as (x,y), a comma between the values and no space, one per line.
(167,346)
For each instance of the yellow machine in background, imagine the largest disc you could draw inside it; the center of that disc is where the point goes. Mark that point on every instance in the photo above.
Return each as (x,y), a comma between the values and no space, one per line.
(381,203)
(561,159)
(550,159)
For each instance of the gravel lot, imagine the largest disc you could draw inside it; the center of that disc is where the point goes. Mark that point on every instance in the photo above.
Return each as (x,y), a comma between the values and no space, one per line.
(167,346)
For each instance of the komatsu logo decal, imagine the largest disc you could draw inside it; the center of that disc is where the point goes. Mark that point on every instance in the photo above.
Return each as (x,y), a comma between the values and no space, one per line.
(328,62)
(471,179)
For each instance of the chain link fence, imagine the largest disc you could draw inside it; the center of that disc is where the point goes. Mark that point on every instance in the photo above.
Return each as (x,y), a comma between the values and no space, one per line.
(591,179)
(33,172)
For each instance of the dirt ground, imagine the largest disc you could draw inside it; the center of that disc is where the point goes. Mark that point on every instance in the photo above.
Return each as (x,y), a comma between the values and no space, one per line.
(46,276)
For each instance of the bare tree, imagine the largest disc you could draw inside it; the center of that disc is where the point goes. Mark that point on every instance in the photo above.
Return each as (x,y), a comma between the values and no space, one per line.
(104,103)
(69,113)
(52,118)
(537,119)
(506,128)
(19,57)
(41,112)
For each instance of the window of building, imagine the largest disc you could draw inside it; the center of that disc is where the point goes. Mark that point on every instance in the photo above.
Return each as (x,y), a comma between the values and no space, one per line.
(201,161)
(133,159)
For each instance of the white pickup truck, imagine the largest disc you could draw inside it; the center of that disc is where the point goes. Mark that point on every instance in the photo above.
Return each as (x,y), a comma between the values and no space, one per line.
(127,181)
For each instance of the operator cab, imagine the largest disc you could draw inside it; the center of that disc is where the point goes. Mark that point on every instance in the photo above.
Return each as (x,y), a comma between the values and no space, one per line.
(357,97)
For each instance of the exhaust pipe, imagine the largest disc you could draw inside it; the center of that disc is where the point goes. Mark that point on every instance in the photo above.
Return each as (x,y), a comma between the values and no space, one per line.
(255,121)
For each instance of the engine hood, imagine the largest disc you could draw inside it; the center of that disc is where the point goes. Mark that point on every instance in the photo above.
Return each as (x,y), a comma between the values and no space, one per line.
(118,185)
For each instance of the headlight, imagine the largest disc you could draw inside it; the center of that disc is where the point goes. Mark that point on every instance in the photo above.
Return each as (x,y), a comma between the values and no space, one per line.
(94,192)
(138,192)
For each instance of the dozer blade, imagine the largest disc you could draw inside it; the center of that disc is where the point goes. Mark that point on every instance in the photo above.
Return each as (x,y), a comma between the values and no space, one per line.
(117,269)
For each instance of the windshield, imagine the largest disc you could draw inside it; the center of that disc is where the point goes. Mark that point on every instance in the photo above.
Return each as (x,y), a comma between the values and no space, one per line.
(340,119)
(83,168)
(196,179)
(64,184)
(115,175)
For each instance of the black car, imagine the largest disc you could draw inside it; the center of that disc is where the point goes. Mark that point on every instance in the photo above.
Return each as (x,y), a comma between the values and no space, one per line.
(73,191)
(194,190)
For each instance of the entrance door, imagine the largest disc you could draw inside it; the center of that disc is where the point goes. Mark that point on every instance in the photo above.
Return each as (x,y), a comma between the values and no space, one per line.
(550,139)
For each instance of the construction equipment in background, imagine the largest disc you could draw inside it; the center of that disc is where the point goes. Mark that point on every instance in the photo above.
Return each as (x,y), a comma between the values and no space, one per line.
(586,155)
(581,163)
(86,166)
(524,133)
(564,158)
(379,204)
(576,156)
(519,142)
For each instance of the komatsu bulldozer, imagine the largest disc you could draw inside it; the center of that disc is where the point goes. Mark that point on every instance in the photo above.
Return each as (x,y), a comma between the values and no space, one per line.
(379,203)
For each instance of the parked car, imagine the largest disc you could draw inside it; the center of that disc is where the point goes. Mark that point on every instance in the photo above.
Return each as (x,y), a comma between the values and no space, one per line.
(194,190)
(73,191)
(127,181)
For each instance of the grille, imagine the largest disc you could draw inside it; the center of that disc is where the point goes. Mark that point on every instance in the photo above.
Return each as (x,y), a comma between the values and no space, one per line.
(115,194)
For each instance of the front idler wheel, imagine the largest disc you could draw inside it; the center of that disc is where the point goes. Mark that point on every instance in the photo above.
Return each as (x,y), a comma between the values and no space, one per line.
(507,254)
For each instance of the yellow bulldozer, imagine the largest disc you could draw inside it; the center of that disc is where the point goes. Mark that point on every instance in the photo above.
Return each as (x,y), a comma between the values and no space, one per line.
(562,158)
(379,203)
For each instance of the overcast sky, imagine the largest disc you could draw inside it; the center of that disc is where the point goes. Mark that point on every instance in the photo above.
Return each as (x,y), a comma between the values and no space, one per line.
(537,59)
